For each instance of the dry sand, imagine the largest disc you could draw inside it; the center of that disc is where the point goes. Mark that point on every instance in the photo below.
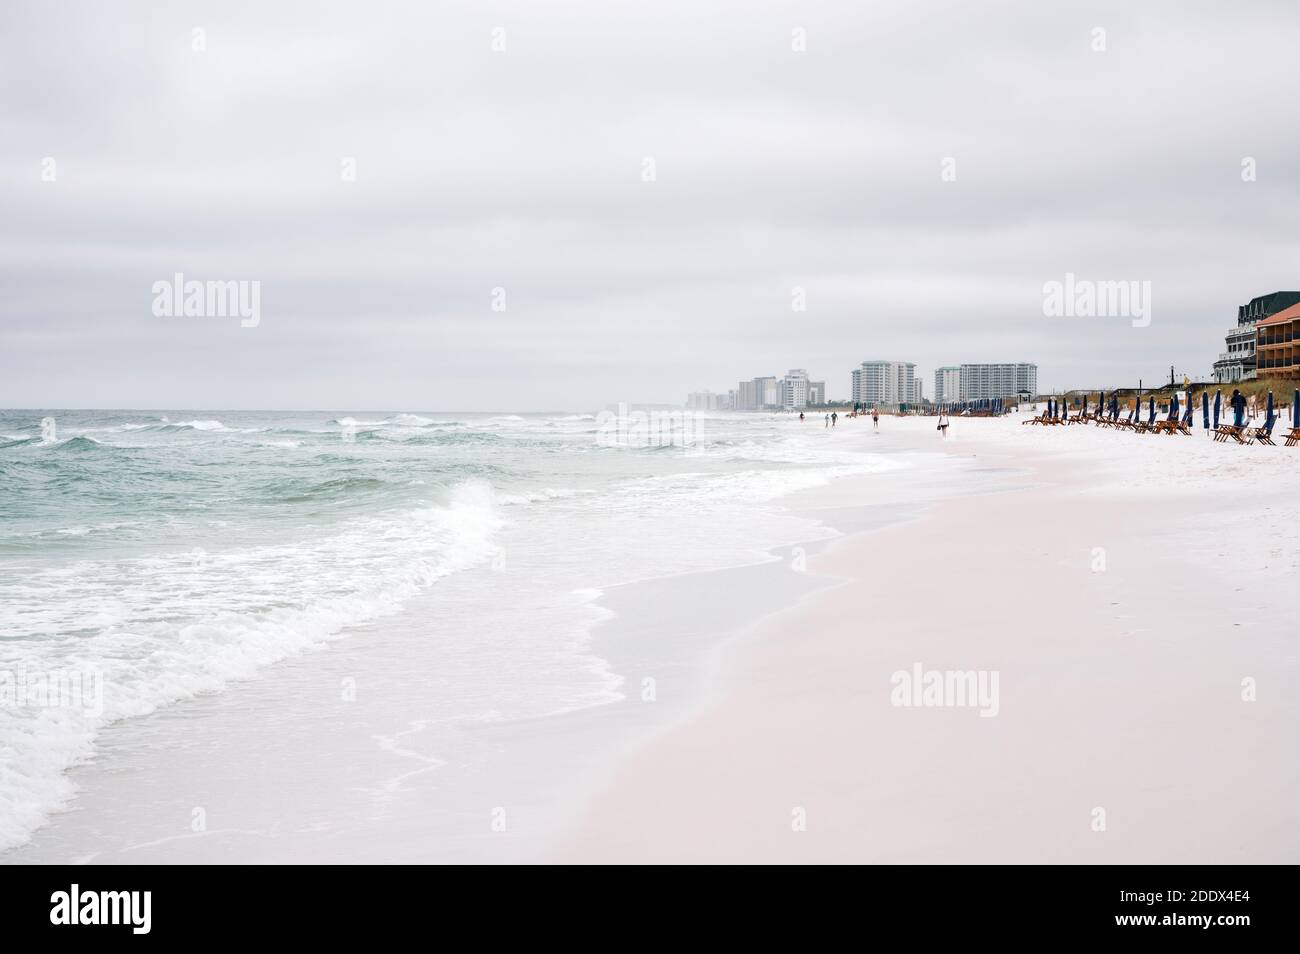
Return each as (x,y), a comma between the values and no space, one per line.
(1122,734)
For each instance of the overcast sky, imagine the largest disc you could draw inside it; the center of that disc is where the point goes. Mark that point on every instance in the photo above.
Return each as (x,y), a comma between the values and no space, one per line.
(523,169)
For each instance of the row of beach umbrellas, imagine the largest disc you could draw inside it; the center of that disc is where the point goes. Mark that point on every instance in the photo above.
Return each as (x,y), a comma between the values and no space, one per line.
(986,405)
(1056,408)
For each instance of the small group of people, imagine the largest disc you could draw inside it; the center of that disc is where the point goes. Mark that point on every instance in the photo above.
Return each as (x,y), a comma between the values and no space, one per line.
(831,418)
(943,424)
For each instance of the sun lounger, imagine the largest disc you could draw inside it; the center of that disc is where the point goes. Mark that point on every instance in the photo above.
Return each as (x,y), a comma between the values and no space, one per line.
(1230,431)
(1293,437)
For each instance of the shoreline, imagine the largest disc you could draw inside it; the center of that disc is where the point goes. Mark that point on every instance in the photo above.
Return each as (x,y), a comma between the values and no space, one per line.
(409,789)
(728,650)
(1126,705)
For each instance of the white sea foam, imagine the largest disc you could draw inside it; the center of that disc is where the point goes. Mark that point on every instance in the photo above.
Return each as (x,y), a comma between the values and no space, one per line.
(412,420)
(289,566)
(539,496)
(167,628)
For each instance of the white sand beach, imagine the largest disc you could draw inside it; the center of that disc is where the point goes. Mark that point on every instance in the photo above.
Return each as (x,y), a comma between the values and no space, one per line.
(1121,688)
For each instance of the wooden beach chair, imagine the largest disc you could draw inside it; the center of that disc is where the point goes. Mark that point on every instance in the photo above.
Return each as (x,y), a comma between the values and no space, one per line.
(1293,437)
(1227,431)
(1264,434)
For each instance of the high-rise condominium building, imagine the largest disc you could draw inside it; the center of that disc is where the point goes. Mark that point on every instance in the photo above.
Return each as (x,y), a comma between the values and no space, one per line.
(886,383)
(794,389)
(980,381)
(707,401)
(758,393)
(947,385)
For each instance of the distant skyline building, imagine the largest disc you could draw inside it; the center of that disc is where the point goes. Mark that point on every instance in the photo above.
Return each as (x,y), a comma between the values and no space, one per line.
(758,394)
(794,389)
(979,382)
(1238,361)
(947,385)
(707,401)
(885,383)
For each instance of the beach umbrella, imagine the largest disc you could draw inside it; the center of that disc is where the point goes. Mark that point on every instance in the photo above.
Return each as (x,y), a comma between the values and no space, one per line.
(1295,409)
(1268,414)
(1173,407)
(1205,409)
(1085,403)
(1218,406)
(1152,418)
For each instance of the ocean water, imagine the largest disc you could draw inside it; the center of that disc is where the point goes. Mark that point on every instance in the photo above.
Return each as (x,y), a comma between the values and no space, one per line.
(162,555)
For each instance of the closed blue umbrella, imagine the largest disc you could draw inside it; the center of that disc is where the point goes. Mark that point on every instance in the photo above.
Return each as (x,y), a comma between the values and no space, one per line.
(1173,407)
(1295,409)
(1205,409)
(1268,414)
(1218,406)
(1152,418)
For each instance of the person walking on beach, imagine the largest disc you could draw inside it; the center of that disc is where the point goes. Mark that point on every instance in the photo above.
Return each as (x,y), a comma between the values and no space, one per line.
(943,424)
(801,415)
(833,417)
(1238,408)
(875,420)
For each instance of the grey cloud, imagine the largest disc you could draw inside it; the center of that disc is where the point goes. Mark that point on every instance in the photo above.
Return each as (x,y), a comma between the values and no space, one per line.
(522,170)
